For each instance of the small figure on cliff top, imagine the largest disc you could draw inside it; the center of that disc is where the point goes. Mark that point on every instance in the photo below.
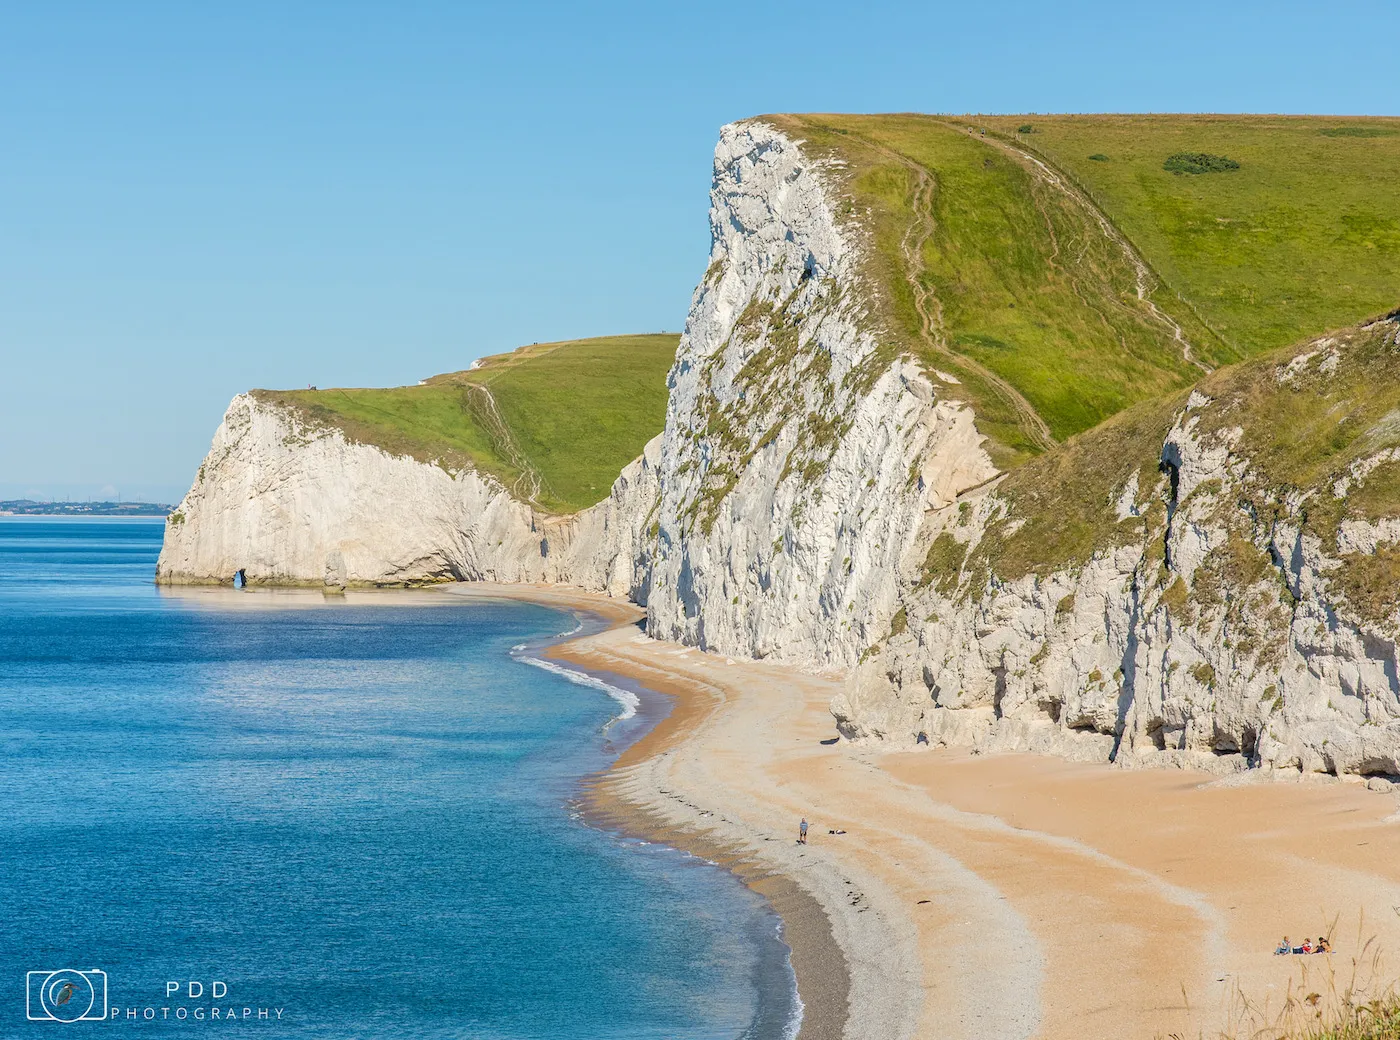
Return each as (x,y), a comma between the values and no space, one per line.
(1284,946)
(802,832)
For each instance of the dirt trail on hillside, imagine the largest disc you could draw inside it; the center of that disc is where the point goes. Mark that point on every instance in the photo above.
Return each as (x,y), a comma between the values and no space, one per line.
(930,309)
(1145,280)
(529,485)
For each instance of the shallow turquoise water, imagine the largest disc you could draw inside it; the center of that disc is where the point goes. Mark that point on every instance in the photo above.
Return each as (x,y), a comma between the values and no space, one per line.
(357,812)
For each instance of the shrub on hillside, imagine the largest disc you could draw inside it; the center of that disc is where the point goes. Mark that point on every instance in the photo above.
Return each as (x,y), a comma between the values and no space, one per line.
(1198,162)
(1025,128)
(1099,157)
(1356,131)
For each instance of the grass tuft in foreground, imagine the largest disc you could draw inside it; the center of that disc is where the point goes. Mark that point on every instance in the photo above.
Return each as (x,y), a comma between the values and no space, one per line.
(1324,1001)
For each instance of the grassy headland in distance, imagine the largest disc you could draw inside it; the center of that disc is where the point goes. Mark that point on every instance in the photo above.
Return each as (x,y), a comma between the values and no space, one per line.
(30,507)
(554,422)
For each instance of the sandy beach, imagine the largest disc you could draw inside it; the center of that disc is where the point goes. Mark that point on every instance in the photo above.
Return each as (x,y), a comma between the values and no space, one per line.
(1003,896)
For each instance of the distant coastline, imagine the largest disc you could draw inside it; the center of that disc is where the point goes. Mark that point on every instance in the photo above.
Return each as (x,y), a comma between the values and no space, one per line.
(29,507)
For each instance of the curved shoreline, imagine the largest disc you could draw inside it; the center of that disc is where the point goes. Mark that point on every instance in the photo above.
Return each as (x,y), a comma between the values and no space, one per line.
(819,962)
(971,896)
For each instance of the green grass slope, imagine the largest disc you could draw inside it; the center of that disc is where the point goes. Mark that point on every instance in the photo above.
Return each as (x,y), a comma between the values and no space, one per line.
(1060,289)
(1303,237)
(1300,435)
(991,274)
(554,422)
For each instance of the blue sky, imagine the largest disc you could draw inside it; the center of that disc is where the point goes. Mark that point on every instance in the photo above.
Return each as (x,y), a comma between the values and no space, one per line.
(200,198)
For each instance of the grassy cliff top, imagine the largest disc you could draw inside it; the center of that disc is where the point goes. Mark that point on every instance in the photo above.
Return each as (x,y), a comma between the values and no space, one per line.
(1062,269)
(1317,423)
(554,422)
(1303,237)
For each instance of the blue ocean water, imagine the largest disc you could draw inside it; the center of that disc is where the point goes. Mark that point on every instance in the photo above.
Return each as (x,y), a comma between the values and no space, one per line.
(357,812)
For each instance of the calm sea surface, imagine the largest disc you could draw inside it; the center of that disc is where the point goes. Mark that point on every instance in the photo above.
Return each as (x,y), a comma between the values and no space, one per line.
(358,812)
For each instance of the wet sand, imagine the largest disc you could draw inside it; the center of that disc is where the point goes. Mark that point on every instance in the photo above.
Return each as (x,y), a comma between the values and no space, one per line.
(995,896)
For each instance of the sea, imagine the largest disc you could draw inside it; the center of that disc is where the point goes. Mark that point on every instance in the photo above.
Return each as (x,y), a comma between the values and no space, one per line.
(286,814)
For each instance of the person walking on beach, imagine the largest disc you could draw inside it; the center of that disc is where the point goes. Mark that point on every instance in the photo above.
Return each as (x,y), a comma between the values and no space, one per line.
(802,832)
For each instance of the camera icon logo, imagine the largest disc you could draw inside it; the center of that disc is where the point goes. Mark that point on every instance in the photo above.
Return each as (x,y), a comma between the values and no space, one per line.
(66,995)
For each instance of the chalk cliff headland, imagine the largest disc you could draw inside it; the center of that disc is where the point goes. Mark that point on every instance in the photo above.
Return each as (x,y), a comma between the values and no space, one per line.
(1138,539)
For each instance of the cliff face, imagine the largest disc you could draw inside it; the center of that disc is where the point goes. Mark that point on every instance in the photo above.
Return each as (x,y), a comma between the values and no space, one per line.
(289,502)
(1236,606)
(1213,580)
(797,461)
(774,515)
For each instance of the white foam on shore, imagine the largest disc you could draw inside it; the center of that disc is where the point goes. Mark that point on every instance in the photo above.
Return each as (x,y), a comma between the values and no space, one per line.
(794,1022)
(630,701)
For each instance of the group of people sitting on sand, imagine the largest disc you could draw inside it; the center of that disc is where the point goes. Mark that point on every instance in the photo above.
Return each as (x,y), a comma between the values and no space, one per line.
(1284,946)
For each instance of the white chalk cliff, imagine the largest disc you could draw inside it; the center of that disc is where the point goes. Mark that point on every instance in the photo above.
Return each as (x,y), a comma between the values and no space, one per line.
(789,507)
(796,465)
(293,503)
(1228,621)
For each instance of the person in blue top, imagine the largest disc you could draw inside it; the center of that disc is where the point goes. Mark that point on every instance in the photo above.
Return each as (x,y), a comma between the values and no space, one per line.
(802,832)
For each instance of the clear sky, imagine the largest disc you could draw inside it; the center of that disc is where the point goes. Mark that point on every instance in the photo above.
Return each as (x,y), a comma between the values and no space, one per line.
(198,198)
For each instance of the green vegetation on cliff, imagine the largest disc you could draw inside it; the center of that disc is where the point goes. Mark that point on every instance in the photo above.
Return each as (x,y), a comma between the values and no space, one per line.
(1055,273)
(1317,424)
(554,422)
(1000,274)
(1065,274)
(1302,238)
